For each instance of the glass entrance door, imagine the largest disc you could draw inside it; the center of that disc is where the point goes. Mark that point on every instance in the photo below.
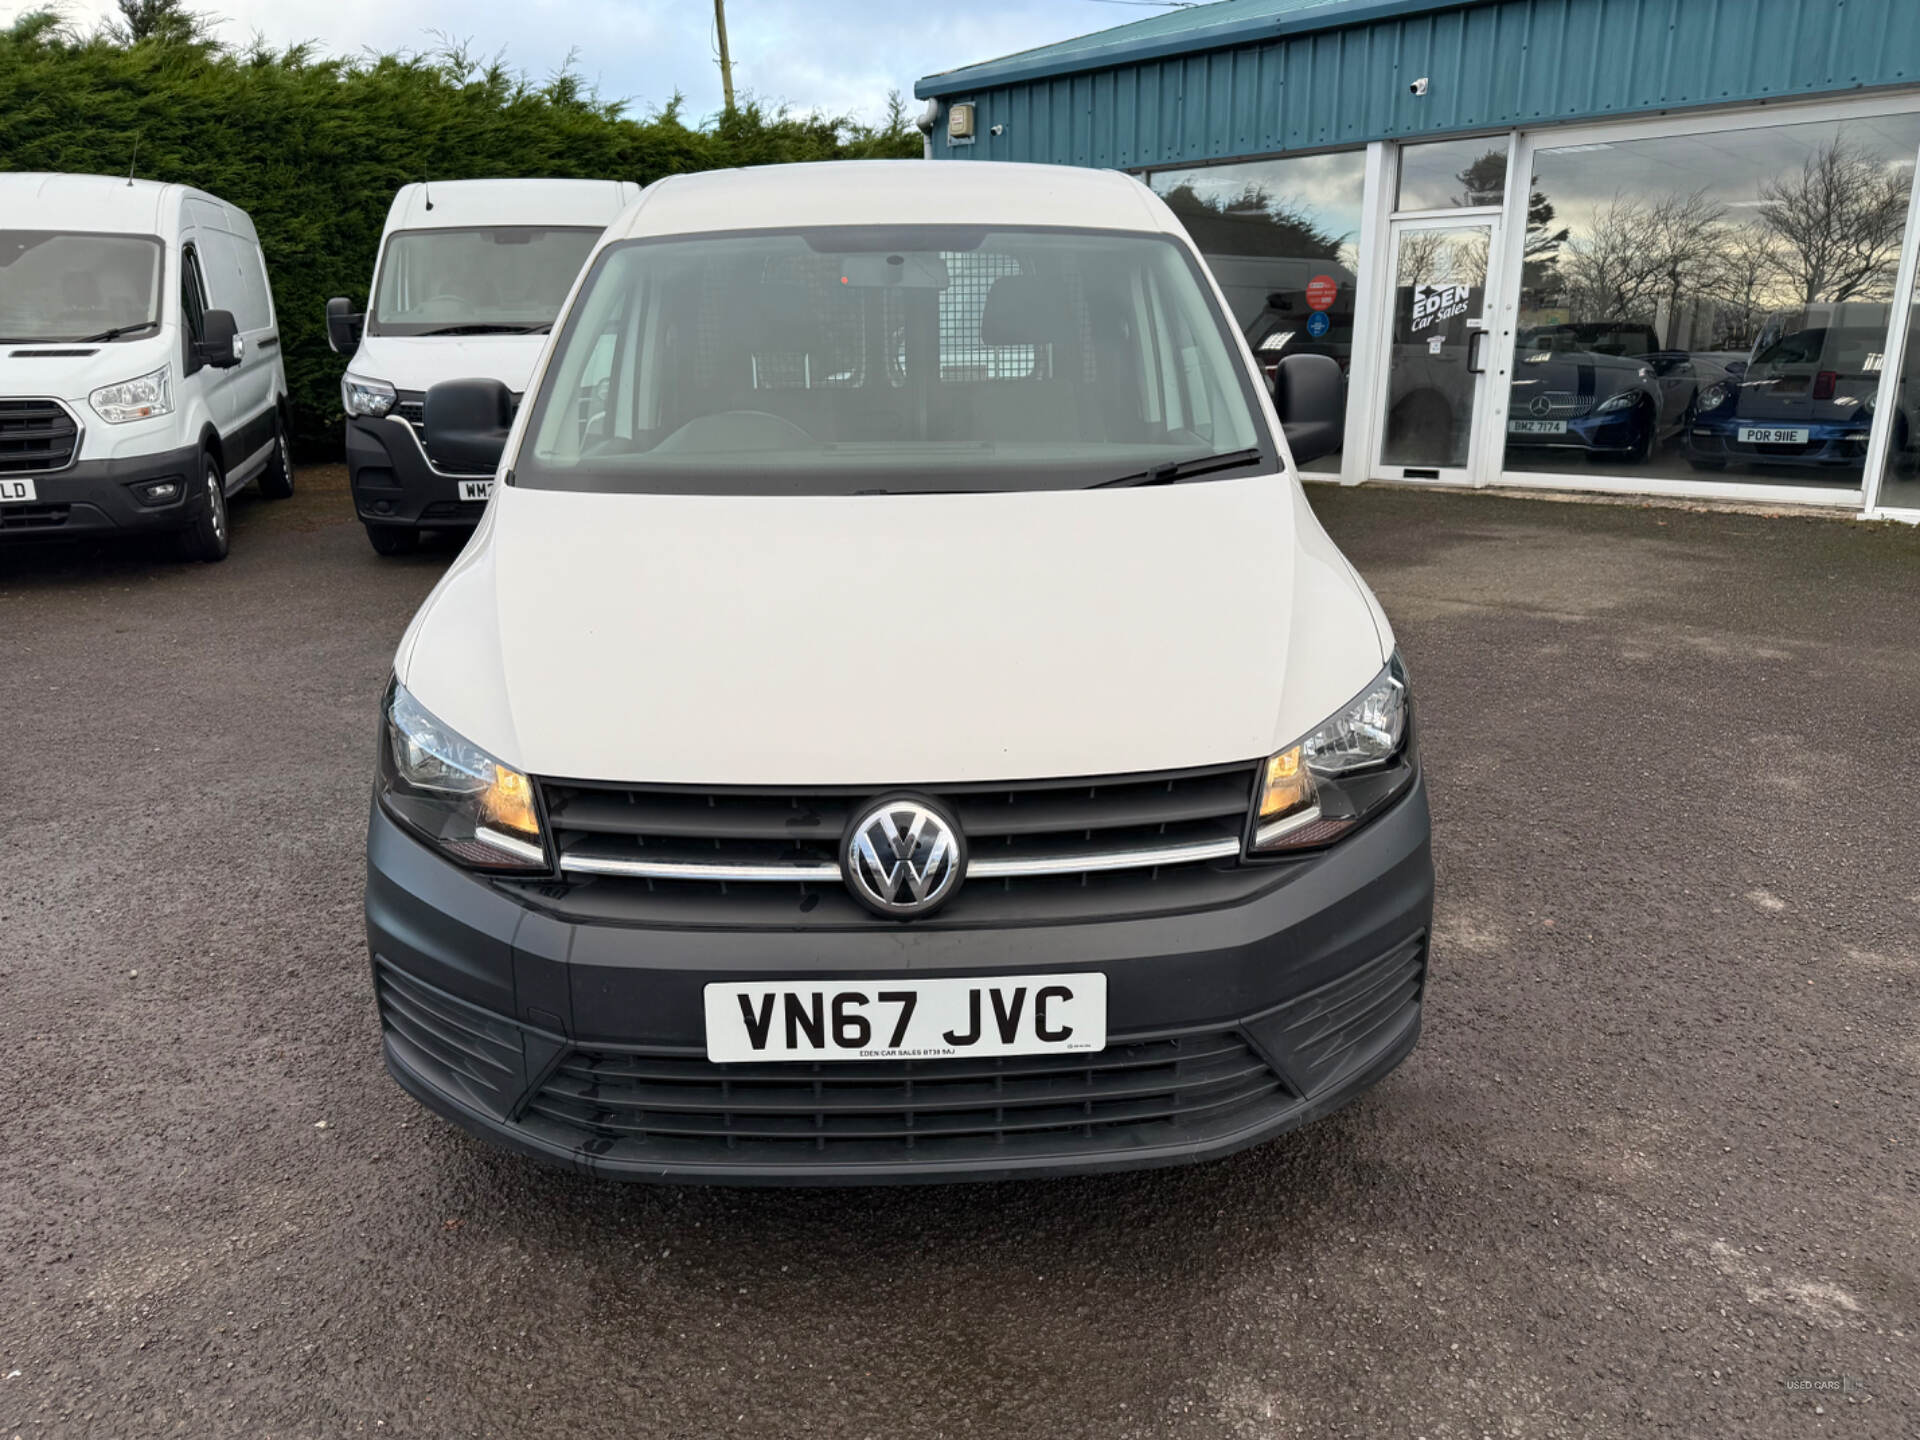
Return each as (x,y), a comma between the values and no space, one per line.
(1438,349)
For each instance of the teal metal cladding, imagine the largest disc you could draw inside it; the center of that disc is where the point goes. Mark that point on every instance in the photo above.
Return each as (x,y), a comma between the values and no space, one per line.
(1491,66)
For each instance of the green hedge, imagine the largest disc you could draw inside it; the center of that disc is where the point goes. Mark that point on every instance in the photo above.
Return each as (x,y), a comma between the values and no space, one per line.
(313,148)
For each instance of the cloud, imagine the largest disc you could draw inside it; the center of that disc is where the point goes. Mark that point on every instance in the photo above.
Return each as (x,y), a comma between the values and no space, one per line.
(830,56)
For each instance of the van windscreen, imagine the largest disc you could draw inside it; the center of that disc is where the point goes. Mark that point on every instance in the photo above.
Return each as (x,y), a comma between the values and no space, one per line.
(62,285)
(853,360)
(492,280)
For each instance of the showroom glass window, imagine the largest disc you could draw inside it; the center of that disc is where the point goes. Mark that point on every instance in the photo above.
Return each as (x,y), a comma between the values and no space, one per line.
(1453,174)
(1900,480)
(1282,237)
(1711,306)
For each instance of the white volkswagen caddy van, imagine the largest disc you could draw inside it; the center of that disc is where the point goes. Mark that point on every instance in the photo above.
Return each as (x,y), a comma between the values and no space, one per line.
(141,382)
(898,718)
(468,280)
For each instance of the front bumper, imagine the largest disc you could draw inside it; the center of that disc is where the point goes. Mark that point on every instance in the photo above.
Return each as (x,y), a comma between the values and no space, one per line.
(1826,445)
(96,499)
(584,1044)
(393,484)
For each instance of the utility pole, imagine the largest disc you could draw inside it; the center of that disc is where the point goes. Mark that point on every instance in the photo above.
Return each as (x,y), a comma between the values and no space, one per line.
(726,60)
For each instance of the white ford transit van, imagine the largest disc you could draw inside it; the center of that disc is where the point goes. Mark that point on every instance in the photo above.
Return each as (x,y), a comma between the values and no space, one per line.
(469,278)
(141,381)
(898,718)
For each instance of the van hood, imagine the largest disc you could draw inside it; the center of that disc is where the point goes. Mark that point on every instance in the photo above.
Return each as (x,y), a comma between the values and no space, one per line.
(73,371)
(892,640)
(419,362)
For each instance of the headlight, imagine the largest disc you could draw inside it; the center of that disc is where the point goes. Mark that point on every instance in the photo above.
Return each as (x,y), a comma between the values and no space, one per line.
(140,398)
(1332,779)
(362,396)
(1625,400)
(455,795)
(1715,395)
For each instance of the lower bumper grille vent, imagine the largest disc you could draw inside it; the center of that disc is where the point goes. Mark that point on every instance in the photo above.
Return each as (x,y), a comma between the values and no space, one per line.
(677,1107)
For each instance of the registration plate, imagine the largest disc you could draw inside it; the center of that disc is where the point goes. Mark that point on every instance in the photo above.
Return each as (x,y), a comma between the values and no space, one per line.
(1537,427)
(1776,435)
(16,492)
(906,1019)
(476,489)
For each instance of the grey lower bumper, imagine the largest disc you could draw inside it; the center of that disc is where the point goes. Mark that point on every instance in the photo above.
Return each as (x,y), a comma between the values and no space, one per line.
(584,1044)
(101,498)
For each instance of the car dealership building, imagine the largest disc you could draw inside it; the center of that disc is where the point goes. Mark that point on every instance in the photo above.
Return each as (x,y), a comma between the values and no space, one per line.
(1646,246)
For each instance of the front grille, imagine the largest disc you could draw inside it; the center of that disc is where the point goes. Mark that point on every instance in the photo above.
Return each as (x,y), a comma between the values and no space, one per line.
(33,517)
(1560,403)
(411,406)
(36,436)
(648,1105)
(1122,845)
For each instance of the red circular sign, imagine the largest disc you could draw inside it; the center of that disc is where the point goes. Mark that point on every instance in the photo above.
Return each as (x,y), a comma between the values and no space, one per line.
(1320,291)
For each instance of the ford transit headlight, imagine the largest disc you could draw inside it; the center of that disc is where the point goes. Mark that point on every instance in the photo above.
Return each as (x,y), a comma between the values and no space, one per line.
(140,398)
(362,395)
(1340,773)
(453,794)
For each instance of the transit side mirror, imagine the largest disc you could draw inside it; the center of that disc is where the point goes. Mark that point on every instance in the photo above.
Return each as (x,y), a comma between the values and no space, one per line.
(466,423)
(1307,393)
(220,343)
(343,325)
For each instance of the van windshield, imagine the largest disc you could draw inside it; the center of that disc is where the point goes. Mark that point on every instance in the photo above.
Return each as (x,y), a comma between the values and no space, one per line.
(495,280)
(876,360)
(78,285)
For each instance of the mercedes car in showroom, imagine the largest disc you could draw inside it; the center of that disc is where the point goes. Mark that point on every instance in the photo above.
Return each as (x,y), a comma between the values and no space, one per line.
(898,718)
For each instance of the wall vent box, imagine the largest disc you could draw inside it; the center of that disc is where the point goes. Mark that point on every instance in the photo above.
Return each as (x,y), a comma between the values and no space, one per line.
(960,121)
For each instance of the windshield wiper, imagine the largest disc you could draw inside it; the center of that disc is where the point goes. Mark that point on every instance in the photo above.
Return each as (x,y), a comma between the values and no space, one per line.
(484,328)
(1174,470)
(114,334)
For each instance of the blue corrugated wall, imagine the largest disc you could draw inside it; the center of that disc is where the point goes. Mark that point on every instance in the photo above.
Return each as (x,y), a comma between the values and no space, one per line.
(1507,63)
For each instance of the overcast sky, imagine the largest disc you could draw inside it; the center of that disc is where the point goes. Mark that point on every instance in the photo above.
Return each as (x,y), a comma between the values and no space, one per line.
(837,56)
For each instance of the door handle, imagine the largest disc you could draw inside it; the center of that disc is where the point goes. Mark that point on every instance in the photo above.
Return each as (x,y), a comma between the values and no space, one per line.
(1476,352)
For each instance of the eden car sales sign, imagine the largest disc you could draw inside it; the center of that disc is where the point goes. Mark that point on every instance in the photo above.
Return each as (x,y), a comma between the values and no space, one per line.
(1434,303)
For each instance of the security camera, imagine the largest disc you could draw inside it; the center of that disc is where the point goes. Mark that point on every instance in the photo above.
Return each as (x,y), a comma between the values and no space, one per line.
(1419,87)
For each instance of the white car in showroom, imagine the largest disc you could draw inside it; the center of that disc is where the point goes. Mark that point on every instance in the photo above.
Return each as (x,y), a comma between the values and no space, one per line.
(898,717)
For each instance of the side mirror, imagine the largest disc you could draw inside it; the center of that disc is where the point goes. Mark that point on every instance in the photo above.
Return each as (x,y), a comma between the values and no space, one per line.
(343,325)
(220,343)
(1307,393)
(466,423)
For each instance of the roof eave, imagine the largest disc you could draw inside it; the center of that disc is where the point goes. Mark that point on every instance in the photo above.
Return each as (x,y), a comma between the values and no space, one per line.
(1044,63)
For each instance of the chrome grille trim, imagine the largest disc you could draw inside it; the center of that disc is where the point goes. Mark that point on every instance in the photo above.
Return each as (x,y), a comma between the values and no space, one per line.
(577,862)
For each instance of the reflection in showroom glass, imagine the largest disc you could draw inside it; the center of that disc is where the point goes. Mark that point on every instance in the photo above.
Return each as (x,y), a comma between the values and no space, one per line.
(1710,306)
(1281,237)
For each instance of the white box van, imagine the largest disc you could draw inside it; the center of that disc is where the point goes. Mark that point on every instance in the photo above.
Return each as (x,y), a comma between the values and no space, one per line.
(470,276)
(899,718)
(141,382)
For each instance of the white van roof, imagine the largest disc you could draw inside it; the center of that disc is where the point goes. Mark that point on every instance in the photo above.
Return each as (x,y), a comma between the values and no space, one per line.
(892,192)
(509,202)
(94,202)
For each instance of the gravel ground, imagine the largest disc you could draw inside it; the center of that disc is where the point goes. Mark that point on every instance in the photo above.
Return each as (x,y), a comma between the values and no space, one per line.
(1654,1159)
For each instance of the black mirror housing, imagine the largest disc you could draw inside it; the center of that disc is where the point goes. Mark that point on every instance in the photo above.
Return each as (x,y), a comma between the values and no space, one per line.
(466,425)
(1308,393)
(343,325)
(220,345)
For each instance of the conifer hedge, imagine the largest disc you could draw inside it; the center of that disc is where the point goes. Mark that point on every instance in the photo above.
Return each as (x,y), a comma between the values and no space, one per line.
(313,147)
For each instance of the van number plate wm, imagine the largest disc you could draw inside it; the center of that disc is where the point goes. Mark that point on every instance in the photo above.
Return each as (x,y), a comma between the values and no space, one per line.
(475,489)
(906,1019)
